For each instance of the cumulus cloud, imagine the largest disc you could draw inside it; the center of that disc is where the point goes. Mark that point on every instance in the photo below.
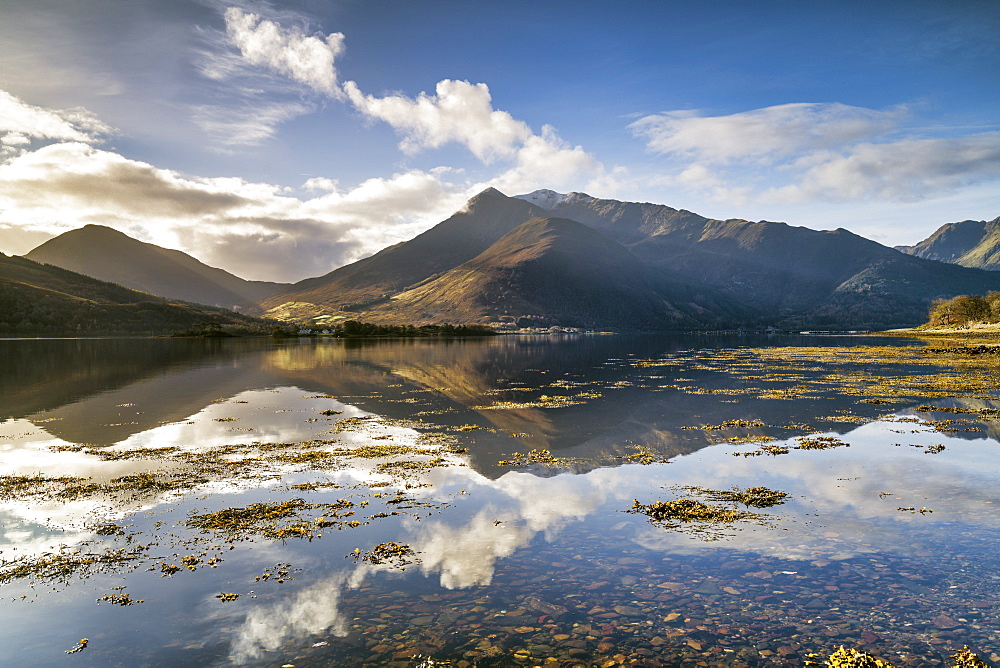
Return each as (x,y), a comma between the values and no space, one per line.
(806,152)
(20,123)
(271,73)
(548,160)
(462,112)
(459,112)
(307,59)
(68,177)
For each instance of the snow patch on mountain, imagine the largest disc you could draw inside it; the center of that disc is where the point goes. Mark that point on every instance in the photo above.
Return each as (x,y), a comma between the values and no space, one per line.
(547,199)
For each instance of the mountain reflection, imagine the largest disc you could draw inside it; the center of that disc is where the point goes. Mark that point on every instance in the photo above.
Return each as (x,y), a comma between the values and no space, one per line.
(103,392)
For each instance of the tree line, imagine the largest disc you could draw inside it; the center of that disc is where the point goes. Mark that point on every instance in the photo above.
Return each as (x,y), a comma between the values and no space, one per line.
(355,329)
(964,309)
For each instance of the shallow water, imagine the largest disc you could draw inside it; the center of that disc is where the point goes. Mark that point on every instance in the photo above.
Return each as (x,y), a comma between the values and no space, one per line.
(886,542)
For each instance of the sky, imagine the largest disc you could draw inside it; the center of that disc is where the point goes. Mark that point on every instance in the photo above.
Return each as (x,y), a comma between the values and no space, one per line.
(280,140)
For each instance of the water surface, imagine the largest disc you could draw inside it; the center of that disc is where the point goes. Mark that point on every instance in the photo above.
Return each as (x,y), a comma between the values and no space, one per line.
(886,542)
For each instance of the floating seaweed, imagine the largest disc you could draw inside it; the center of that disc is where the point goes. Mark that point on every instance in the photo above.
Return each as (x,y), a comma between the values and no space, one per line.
(398,555)
(756,497)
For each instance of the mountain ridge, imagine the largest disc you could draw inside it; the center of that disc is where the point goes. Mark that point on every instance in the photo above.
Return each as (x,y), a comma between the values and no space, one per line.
(969,243)
(109,255)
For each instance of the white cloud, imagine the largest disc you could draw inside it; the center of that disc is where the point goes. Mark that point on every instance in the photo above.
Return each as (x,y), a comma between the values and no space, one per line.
(21,122)
(549,161)
(908,169)
(463,113)
(762,134)
(63,180)
(246,125)
(459,112)
(307,59)
(802,153)
(15,139)
(321,183)
(255,230)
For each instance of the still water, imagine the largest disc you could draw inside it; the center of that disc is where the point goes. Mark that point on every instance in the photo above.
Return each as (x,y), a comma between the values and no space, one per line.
(394,519)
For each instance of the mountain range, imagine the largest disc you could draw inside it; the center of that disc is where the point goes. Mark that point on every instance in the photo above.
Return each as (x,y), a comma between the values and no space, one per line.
(572,260)
(678,269)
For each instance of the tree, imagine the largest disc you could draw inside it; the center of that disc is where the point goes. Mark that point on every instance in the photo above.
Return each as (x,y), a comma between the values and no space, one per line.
(942,312)
(968,308)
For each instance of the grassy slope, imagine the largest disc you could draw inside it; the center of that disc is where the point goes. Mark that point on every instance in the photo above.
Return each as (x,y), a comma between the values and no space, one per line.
(43,300)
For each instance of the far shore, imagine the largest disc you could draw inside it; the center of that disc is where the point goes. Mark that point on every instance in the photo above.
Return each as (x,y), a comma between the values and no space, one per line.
(979,329)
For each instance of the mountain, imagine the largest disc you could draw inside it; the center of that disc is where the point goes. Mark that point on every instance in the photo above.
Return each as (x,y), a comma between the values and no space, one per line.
(555,271)
(572,259)
(109,255)
(792,277)
(971,243)
(44,300)
(357,286)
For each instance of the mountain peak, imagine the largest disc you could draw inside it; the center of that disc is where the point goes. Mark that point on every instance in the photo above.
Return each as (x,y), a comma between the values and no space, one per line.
(547,199)
(490,192)
(91,229)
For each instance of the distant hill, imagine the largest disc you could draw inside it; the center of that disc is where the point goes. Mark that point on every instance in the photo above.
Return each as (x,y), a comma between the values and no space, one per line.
(554,271)
(43,300)
(110,255)
(551,258)
(971,243)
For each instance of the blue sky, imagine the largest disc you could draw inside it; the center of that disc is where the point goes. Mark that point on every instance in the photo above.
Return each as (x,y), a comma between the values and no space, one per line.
(280,140)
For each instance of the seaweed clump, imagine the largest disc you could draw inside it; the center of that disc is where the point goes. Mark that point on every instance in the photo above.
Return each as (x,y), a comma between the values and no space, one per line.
(692,516)
(533,456)
(396,554)
(850,658)
(688,510)
(707,519)
(853,658)
(756,497)
(262,518)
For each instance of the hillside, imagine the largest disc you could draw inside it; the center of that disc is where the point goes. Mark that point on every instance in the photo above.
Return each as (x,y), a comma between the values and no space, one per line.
(553,271)
(109,255)
(43,300)
(971,243)
(356,286)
